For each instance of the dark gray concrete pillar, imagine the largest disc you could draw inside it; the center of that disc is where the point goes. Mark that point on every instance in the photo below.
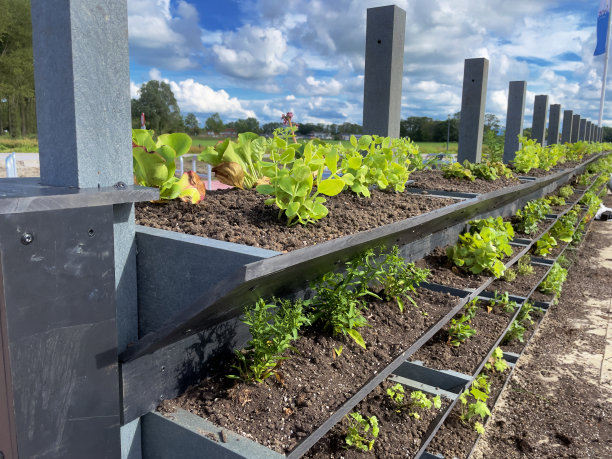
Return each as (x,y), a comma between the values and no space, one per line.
(81,70)
(553,124)
(592,133)
(475,76)
(566,133)
(540,109)
(575,128)
(587,131)
(384,64)
(582,129)
(515,116)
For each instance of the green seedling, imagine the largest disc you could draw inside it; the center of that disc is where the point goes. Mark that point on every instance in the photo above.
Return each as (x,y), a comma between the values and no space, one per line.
(497,362)
(524,267)
(460,330)
(362,432)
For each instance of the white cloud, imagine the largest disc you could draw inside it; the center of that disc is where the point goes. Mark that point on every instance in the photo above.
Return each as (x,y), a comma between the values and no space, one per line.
(252,53)
(314,87)
(134,90)
(196,97)
(155,74)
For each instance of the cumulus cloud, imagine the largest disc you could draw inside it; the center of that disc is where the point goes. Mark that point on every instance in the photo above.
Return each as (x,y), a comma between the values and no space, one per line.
(251,52)
(315,87)
(164,35)
(199,98)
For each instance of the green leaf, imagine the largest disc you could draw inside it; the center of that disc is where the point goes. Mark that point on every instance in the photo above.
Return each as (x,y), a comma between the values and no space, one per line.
(355,162)
(364,142)
(331,161)
(353,141)
(292,209)
(179,142)
(265,189)
(331,186)
(357,337)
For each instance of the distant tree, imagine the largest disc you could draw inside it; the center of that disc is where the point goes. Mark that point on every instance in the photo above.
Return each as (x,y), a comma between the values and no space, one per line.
(17,102)
(350,128)
(191,124)
(607,134)
(306,128)
(159,105)
(247,125)
(214,124)
(527,132)
(269,128)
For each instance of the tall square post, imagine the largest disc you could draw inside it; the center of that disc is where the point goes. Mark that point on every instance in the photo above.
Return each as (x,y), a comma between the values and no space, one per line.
(515,116)
(474,96)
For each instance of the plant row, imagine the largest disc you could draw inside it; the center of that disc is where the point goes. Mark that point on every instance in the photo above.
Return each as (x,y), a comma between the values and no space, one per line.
(298,177)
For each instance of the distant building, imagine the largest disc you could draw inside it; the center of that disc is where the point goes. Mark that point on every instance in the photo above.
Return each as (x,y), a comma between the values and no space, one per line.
(231,132)
(348,136)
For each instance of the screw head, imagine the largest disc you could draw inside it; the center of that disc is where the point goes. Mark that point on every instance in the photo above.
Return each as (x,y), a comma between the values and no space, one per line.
(91,232)
(27,238)
(120,186)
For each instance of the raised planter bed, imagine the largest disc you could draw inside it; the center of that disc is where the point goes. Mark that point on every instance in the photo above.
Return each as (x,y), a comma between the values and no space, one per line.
(216,310)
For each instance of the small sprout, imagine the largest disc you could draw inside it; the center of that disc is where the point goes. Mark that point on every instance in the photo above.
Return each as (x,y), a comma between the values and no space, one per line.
(478,427)
(362,432)
(497,362)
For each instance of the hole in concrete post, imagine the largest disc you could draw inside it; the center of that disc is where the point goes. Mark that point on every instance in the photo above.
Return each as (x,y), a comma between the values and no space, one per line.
(91,232)
(379,42)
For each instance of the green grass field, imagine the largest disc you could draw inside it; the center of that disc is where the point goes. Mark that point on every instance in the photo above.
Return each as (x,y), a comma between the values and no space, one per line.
(21,145)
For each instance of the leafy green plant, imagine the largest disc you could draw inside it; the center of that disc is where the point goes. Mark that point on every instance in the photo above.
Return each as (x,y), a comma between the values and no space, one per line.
(531,215)
(490,170)
(479,392)
(503,300)
(420,401)
(584,179)
(515,331)
(273,328)
(591,201)
(237,163)
(545,244)
(297,183)
(563,230)
(496,362)
(339,302)
(524,267)
(566,191)
(398,278)
(460,330)
(509,275)
(524,315)
(483,247)
(555,200)
(527,157)
(471,308)
(362,431)
(554,281)
(154,165)
(458,171)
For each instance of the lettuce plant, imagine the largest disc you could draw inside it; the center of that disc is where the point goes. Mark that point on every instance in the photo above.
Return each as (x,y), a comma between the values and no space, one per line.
(237,163)
(554,281)
(154,165)
(527,157)
(483,247)
(545,244)
(531,215)
(296,184)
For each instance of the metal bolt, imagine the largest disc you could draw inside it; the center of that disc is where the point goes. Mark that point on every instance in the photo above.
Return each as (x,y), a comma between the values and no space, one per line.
(26,238)
(119,186)
(163,369)
(91,233)
(161,397)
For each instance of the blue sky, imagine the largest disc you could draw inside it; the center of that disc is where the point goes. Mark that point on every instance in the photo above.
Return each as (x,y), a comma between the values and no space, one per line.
(264,57)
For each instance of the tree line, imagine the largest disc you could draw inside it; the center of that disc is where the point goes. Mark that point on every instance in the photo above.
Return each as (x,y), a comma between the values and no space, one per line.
(17,101)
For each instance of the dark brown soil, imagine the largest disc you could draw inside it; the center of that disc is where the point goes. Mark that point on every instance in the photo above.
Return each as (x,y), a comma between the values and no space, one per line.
(438,354)
(435,180)
(314,381)
(558,402)
(541,227)
(520,286)
(400,434)
(241,216)
(515,345)
(443,271)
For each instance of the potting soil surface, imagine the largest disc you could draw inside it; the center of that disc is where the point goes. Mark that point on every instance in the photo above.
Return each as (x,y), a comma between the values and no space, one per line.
(241,216)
